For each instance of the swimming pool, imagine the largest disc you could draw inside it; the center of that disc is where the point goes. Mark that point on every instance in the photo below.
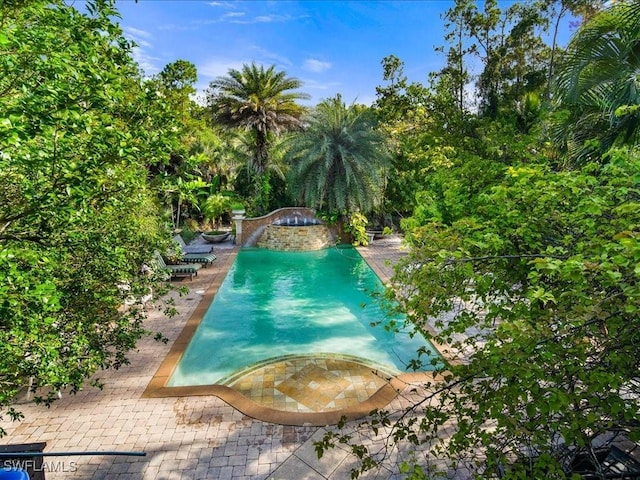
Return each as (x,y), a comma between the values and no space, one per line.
(276,304)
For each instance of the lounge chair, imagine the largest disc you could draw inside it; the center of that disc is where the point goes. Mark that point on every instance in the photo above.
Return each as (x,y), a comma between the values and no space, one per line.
(205,258)
(181,270)
(191,248)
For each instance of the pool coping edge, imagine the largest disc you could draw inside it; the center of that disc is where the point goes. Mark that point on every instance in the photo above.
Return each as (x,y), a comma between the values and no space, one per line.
(157,386)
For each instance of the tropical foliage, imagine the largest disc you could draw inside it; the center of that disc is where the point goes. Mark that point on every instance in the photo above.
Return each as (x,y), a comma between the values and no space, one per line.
(523,264)
(78,220)
(599,84)
(339,162)
(261,101)
(534,275)
(196,164)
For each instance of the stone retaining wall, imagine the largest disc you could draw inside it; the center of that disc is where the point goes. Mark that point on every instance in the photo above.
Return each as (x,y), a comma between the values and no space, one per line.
(300,238)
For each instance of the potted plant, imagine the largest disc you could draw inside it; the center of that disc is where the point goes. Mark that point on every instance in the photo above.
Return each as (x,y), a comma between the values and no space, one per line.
(215,236)
(212,209)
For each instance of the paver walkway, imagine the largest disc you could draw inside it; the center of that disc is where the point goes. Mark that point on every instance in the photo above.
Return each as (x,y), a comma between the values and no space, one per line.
(185,437)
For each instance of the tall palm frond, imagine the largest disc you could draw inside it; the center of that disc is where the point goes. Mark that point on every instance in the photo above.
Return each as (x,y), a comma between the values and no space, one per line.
(599,82)
(259,100)
(338,163)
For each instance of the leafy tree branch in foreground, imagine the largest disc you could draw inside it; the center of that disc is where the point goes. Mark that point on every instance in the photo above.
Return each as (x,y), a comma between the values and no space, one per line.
(526,273)
(536,299)
(78,221)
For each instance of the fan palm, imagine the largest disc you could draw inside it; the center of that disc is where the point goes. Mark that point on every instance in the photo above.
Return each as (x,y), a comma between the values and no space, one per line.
(599,82)
(338,162)
(258,100)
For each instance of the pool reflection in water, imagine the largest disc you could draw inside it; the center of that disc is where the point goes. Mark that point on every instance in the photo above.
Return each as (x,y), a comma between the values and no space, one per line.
(273,304)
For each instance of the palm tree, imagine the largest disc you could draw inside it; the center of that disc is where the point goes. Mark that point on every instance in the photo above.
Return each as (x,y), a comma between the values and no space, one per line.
(599,82)
(260,101)
(338,162)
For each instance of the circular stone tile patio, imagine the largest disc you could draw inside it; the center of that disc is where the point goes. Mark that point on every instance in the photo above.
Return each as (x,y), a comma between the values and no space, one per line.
(309,383)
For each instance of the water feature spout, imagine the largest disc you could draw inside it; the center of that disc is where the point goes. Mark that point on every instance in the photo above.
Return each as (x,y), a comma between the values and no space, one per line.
(297,220)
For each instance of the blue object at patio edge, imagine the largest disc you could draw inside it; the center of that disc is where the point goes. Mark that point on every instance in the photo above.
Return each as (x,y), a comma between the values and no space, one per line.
(11,473)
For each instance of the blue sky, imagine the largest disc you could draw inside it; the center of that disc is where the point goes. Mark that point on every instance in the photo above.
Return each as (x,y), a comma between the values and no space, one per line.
(331,46)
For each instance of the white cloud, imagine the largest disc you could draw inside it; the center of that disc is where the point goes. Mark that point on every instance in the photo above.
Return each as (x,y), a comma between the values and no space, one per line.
(310,84)
(147,62)
(219,67)
(137,32)
(258,19)
(316,66)
(142,43)
(182,27)
(221,4)
(209,71)
(138,36)
(271,18)
(232,15)
(235,17)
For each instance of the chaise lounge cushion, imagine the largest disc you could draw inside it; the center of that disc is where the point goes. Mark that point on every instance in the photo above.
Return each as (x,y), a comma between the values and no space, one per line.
(204,258)
(183,269)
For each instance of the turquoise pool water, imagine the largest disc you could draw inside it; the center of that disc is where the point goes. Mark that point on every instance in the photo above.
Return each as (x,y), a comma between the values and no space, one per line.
(272,304)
